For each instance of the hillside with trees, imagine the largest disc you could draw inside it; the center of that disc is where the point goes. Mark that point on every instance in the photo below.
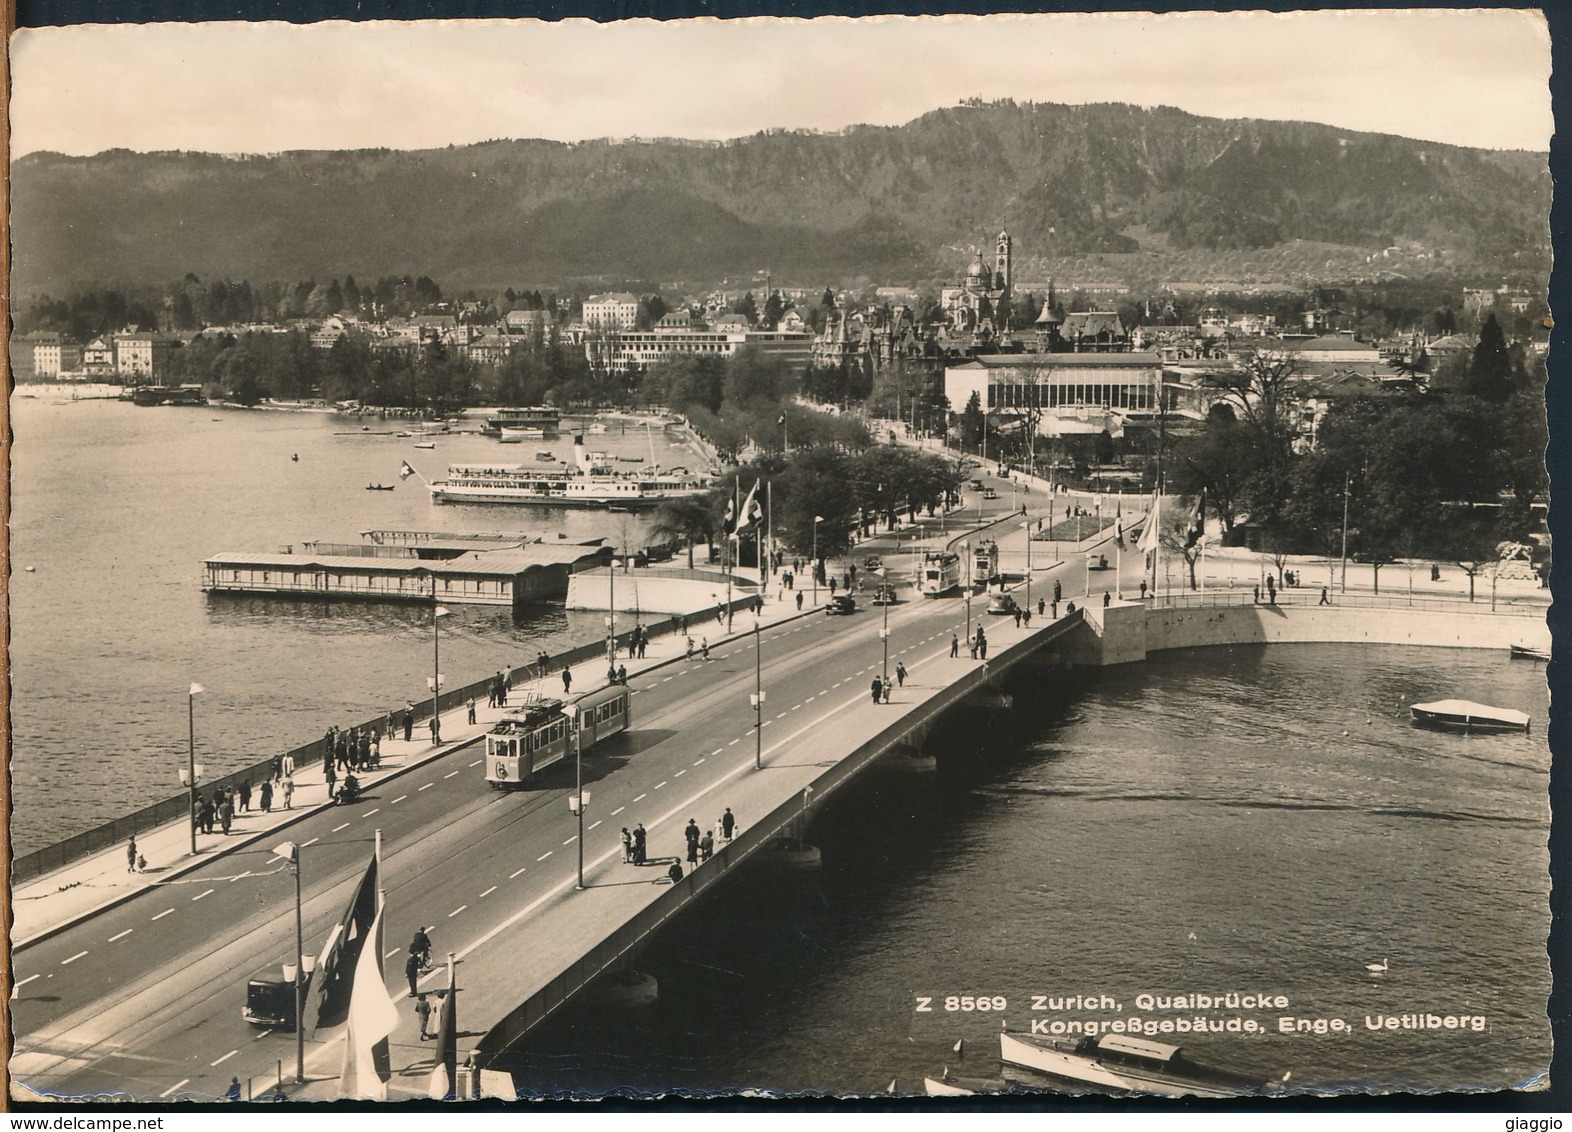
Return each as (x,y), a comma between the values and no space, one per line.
(893,202)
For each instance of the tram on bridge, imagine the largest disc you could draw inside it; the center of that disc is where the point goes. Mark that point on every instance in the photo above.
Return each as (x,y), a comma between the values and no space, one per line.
(939,573)
(543,731)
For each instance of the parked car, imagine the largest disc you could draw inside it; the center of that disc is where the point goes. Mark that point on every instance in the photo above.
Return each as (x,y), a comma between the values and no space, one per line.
(841,603)
(1002,605)
(884,595)
(1096,561)
(976,485)
(990,493)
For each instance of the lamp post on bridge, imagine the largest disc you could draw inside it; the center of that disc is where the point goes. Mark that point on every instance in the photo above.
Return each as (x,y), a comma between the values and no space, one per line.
(194,770)
(1027,527)
(579,800)
(303,964)
(966,549)
(434,681)
(757,699)
(884,633)
(814,569)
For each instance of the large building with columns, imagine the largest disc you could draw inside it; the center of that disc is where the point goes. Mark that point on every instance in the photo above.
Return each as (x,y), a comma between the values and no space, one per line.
(1066,387)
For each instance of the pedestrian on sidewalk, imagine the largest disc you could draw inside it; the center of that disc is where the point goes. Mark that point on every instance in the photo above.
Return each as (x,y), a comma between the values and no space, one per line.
(273,767)
(1041,605)
(491,693)
(1325,600)
(972,641)
(131,855)
(412,972)
(728,823)
(704,648)
(627,846)
(376,747)
(226,814)
(209,815)
(1107,599)
(330,776)
(502,689)
(423,1012)
(1017,617)
(955,645)
(289,792)
(707,845)
(567,680)
(1058,594)
(1143,589)
(1026,617)
(982,644)
(689,654)
(232,1094)
(693,852)
(622,673)
(266,800)
(287,765)
(690,832)
(878,688)
(472,709)
(799,600)
(1257,592)
(674,874)
(639,847)
(363,748)
(245,796)
(644,643)
(887,686)
(900,673)
(409,720)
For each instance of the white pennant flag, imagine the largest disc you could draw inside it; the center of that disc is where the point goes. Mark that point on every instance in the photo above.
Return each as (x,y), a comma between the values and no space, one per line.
(372,1020)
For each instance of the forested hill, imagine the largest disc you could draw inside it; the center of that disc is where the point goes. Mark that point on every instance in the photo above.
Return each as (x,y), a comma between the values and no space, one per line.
(892,203)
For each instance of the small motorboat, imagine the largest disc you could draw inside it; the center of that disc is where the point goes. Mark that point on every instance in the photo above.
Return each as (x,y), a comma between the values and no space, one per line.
(1124,1063)
(1465,715)
(403,434)
(427,444)
(1529,652)
(546,457)
(380,486)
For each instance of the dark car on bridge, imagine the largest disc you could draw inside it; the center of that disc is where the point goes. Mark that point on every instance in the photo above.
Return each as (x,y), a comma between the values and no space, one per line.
(1002,605)
(841,603)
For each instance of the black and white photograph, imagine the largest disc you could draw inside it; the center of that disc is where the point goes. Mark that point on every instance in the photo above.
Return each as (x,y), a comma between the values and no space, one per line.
(891,557)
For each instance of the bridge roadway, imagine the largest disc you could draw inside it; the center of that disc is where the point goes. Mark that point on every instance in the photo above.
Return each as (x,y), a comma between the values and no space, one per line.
(144,999)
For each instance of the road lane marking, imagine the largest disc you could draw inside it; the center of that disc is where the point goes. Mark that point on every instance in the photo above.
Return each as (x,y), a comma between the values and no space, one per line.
(241,876)
(209,892)
(696,762)
(658,785)
(571,840)
(824,691)
(782,715)
(735,741)
(514,873)
(164,913)
(457,910)
(427,786)
(618,810)
(680,773)
(390,954)
(303,844)
(368,813)
(794,707)
(397,800)
(177,1085)
(220,1061)
(477,762)
(122,935)
(488,891)
(641,797)
(593,826)
(544,855)
(22,984)
(73,958)
(336,828)
(716,751)
(810,699)
(450,774)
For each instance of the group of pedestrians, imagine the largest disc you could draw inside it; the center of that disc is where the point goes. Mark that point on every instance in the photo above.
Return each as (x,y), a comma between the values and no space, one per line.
(218,809)
(700,843)
(359,748)
(497,691)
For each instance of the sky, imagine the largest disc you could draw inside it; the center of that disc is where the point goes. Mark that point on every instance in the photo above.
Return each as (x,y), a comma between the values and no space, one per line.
(1475,78)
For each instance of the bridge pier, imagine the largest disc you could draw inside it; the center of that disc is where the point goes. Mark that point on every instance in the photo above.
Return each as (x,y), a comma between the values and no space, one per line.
(625,987)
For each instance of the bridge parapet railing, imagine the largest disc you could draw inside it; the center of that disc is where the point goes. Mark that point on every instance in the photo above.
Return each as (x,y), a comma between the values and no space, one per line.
(1311,596)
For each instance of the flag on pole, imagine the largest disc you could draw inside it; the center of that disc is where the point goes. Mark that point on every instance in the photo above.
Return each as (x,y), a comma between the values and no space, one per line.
(1148,541)
(196,690)
(729,520)
(1198,527)
(782,419)
(444,1077)
(405,470)
(1119,526)
(372,1020)
(751,511)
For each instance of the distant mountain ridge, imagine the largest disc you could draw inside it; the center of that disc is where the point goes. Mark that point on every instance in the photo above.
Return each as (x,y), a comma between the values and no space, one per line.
(891,203)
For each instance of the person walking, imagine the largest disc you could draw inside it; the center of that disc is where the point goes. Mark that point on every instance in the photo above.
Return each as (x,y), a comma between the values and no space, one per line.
(330,776)
(1058,594)
(877,688)
(567,680)
(423,1012)
(409,721)
(1325,600)
(707,845)
(420,948)
(1143,589)
(131,855)
(363,748)
(799,601)
(704,648)
(982,644)
(286,766)
(693,853)
(689,654)
(627,846)
(412,972)
(376,747)
(728,823)
(1017,613)
(955,645)
(436,729)
(502,689)
(289,793)
(1042,604)
(266,799)
(622,673)
(1053,611)
(226,814)
(900,674)
(639,848)
(691,833)
(1107,599)
(887,686)
(245,796)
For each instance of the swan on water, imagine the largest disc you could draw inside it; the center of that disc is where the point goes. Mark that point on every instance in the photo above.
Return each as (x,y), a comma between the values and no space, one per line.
(1376,968)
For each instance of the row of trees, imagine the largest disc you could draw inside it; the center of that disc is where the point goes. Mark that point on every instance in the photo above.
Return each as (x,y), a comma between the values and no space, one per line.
(1447,472)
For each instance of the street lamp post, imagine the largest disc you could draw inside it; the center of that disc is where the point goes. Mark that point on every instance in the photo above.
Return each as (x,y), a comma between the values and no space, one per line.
(579,800)
(814,569)
(966,549)
(290,852)
(1027,527)
(1347,483)
(884,633)
(611,615)
(435,679)
(757,699)
(193,771)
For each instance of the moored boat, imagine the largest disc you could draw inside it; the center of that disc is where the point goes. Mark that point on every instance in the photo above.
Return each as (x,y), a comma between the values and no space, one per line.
(512,424)
(1124,1063)
(1529,652)
(1466,715)
(591,482)
(946,1085)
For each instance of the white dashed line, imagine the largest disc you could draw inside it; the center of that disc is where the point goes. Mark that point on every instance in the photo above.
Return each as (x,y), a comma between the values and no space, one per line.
(514,873)
(427,786)
(544,855)
(73,958)
(488,891)
(477,762)
(226,1057)
(164,913)
(450,774)
(825,691)
(122,935)
(782,715)
(397,800)
(618,810)
(209,892)
(696,762)
(641,797)
(658,785)
(457,910)
(571,840)
(313,841)
(735,741)
(679,774)
(794,707)
(810,699)
(716,751)
(336,828)
(368,813)
(593,826)
(176,1086)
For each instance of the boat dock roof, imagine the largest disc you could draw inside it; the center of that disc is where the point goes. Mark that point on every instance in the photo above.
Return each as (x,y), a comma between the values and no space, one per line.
(505,560)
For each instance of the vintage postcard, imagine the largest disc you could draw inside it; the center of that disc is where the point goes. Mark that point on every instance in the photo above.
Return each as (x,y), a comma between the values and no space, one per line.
(883,557)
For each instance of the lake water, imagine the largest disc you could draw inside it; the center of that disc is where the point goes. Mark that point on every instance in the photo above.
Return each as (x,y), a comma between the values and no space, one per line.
(114,507)
(1259,820)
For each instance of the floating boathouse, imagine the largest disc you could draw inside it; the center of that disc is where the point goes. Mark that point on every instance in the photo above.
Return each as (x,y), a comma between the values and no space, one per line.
(459,569)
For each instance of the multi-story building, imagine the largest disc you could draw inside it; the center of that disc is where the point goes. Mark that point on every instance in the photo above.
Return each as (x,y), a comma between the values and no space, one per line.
(642,349)
(617,310)
(53,356)
(98,357)
(143,358)
(1062,387)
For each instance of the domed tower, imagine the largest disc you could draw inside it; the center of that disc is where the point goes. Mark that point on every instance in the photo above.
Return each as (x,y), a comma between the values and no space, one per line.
(978,278)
